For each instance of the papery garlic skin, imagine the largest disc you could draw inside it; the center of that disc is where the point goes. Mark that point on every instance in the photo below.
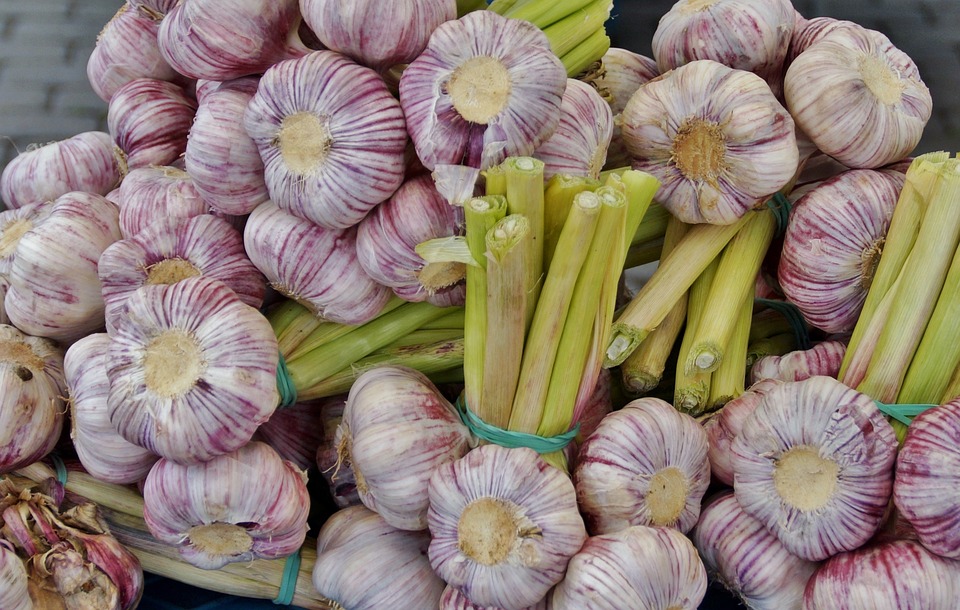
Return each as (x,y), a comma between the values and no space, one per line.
(13,580)
(149,121)
(579,145)
(593,410)
(636,567)
(485,88)
(148,194)
(645,464)
(824,358)
(504,524)
(859,98)
(192,370)
(814,464)
(363,563)
(331,137)
(244,505)
(717,139)
(747,559)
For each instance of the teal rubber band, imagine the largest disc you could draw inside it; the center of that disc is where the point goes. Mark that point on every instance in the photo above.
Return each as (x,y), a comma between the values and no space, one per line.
(903,413)
(781,207)
(60,468)
(794,317)
(511,439)
(288,392)
(288,584)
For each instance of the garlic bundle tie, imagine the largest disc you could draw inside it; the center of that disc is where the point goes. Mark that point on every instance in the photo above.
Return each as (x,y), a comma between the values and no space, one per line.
(512,439)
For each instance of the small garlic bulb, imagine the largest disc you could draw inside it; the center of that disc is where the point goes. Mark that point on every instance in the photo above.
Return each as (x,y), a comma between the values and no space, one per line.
(244,505)
(149,121)
(453,599)
(504,524)
(808,31)
(14,224)
(579,145)
(645,464)
(716,137)
(297,432)
(636,567)
(14,591)
(814,464)
(824,358)
(148,194)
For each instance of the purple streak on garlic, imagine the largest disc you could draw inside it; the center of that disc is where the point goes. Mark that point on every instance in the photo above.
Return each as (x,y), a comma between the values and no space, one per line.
(374,33)
(149,121)
(645,464)
(226,39)
(149,194)
(808,31)
(339,476)
(314,266)
(14,594)
(814,463)
(363,563)
(747,559)
(397,430)
(485,88)
(297,432)
(331,137)
(636,567)
(244,505)
(833,244)
(84,162)
(454,599)
(192,370)
(579,145)
(859,98)
(221,158)
(717,139)
(31,398)
(824,358)
(54,289)
(103,452)
(504,524)
(14,224)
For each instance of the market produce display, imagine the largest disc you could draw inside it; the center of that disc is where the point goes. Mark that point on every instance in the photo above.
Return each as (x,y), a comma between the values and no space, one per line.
(449,304)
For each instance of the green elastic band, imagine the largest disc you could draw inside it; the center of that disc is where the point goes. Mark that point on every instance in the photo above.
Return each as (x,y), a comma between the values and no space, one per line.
(60,468)
(288,392)
(903,413)
(794,317)
(511,439)
(288,584)
(780,206)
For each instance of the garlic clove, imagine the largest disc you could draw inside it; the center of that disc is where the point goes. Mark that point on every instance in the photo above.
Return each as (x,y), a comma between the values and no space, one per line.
(579,145)
(14,594)
(824,358)
(148,194)
(149,121)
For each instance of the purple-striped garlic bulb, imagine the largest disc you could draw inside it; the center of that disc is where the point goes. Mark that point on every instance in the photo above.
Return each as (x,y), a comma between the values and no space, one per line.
(485,88)
(833,244)
(808,31)
(589,414)
(331,136)
(374,33)
(149,121)
(339,477)
(14,590)
(192,370)
(579,145)
(716,137)
(824,358)
(31,398)
(645,464)
(226,39)
(314,266)
(54,289)
(103,452)
(148,194)
(748,560)
(243,505)
(222,159)
(397,430)
(454,599)
(635,567)
(364,563)
(858,97)
(14,224)
(84,162)
(814,464)
(174,249)
(387,239)
(298,432)
(504,524)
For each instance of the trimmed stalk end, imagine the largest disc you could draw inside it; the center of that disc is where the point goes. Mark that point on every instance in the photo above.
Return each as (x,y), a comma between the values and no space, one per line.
(224,539)
(699,150)
(173,363)
(667,496)
(171,271)
(480,89)
(490,530)
(804,480)
(304,140)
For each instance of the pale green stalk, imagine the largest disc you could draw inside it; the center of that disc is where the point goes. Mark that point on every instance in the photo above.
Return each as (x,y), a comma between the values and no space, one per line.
(525,196)
(767,323)
(728,381)
(653,225)
(557,199)
(542,13)
(330,331)
(587,54)
(568,33)
(644,253)
(692,389)
(468,6)
(495,181)
(454,319)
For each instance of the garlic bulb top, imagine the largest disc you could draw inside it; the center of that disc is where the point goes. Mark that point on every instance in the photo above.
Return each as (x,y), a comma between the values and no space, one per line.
(14,593)
(579,145)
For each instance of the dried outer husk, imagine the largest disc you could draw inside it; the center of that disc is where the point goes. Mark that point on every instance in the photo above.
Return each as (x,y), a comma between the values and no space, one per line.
(824,358)
(148,194)
(149,121)
(579,145)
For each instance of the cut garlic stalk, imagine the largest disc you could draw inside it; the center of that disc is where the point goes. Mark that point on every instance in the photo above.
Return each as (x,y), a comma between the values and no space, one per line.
(149,121)
(504,524)
(824,358)
(14,593)
(148,194)
(579,145)
(646,464)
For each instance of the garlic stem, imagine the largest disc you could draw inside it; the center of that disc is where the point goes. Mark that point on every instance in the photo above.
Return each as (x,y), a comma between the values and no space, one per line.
(558,198)
(587,53)
(540,13)
(644,253)
(727,382)
(653,225)
(691,387)
(568,33)
(327,331)
(525,197)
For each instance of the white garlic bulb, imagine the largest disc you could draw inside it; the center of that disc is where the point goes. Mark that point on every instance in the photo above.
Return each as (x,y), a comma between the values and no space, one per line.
(724,426)
(579,145)
(14,224)
(824,358)
(149,120)
(148,194)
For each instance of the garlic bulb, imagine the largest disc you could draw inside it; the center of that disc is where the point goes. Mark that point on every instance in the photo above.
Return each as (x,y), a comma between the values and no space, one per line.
(387,239)
(363,563)
(717,139)
(192,370)
(84,162)
(453,599)
(14,594)
(244,505)
(636,567)
(377,34)
(31,398)
(148,194)
(149,121)
(724,426)
(14,224)
(579,145)
(331,137)
(645,464)
(504,524)
(171,250)
(824,358)
(54,290)
(397,429)
(747,559)
(593,410)
(859,98)
(339,477)
(485,88)
(297,432)
(808,31)
(833,243)
(814,464)
(314,266)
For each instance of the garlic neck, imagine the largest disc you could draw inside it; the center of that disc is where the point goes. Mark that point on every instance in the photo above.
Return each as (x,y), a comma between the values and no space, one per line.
(25,360)
(881,80)
(699,149)
(667,496)
(871,259)
(171,271)
(10,235)
(437,276)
